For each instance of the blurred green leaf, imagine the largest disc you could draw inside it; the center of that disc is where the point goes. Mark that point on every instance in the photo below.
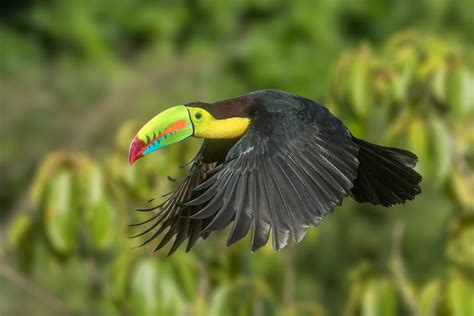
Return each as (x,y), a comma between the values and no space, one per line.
(60,212)
(463,186)
(118,276)
(460,87)
(22,236)
(378,298)
(443,150)
(19,229)
(187,273)
(218,304)
(154,291)
(439,82)
(101,224)
(460,296)
(418,142)
(144,289)
(430,297)
(43,174)
(359,83)
(99,212)
(403,71)
(460,247)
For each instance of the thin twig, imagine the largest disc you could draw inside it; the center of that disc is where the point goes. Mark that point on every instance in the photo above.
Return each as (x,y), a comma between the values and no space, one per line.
(401,281)
(35,290)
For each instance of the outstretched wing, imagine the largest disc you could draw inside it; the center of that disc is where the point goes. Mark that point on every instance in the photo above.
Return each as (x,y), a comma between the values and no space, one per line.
(284,175)
(171,219)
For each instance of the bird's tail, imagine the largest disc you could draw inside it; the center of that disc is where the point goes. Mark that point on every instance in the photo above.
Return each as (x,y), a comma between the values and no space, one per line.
(385,175)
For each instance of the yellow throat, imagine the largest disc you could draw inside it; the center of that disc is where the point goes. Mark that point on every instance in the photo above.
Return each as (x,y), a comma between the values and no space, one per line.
(206,126)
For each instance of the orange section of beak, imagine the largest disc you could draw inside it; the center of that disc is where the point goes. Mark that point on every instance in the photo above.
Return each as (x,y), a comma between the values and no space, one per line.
(136,150)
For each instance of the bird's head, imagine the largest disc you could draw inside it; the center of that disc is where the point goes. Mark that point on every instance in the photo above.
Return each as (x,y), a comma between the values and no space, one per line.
(220,120)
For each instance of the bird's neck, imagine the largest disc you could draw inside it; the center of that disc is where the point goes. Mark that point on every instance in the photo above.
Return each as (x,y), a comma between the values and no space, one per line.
(223,129)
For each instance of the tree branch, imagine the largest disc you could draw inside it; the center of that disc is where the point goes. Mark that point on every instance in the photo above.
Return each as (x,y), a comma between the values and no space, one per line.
(398,270)
(33,289)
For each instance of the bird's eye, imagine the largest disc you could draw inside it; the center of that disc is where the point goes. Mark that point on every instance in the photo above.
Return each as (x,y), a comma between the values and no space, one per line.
(198,115)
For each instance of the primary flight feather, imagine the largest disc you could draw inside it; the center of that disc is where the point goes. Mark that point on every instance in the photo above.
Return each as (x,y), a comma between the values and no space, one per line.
(271,162)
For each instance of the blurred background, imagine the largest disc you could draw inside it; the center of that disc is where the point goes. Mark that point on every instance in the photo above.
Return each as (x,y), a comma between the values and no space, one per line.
(79,77)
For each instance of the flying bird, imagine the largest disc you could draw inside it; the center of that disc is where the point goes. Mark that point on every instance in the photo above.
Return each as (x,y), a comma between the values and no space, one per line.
(271,163)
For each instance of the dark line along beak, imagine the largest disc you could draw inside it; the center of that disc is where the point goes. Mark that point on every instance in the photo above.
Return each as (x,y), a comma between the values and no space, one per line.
(168,127)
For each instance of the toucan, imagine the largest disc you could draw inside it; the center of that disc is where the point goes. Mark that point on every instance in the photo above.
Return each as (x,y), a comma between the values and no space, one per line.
(271,162)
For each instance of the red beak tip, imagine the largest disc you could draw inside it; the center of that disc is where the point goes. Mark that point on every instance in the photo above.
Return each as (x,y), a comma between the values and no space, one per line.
(133,157)
(135,151)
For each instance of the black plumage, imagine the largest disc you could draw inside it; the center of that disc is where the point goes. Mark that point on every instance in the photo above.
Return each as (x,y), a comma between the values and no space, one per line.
(293,165)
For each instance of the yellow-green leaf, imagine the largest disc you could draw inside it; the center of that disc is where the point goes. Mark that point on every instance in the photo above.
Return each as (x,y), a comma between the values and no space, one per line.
(439,82)
(41,179)
(463,187)
(154,290)
(101,224)
(378,299)
(460,91)
(18,229)
(418,142)
(404,69)
(60,214)
(186,272)
(144,289)
(460,249)
(460,296)
(118,275)
(359,84)
(429,298)
(443,151)
(218,304)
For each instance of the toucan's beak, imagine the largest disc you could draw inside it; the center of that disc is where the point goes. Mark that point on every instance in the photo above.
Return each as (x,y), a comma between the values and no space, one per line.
(168,127)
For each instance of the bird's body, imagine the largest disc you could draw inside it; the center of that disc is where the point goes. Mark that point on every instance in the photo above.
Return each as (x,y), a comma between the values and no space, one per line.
(273,163)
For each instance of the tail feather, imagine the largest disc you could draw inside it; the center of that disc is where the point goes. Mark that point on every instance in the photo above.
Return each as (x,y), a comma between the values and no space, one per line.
(385,175)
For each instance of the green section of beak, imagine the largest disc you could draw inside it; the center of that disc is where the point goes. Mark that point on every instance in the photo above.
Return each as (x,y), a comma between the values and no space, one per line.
(166,128)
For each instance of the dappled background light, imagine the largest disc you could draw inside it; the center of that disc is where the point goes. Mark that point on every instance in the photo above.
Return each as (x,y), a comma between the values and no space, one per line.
(78,78)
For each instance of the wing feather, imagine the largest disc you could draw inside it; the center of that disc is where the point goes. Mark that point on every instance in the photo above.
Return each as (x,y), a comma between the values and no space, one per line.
(172,218)
(261,221)
(280,178)
(280,181)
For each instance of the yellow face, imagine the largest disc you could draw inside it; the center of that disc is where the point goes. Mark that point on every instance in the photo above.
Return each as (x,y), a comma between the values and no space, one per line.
(206,126)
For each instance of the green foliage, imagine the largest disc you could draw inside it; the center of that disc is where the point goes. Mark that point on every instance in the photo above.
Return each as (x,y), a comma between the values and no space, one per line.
(378,299)
(460,247)
(154,290)
(60,214)
(412,83)
(460,294)
(71,72)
